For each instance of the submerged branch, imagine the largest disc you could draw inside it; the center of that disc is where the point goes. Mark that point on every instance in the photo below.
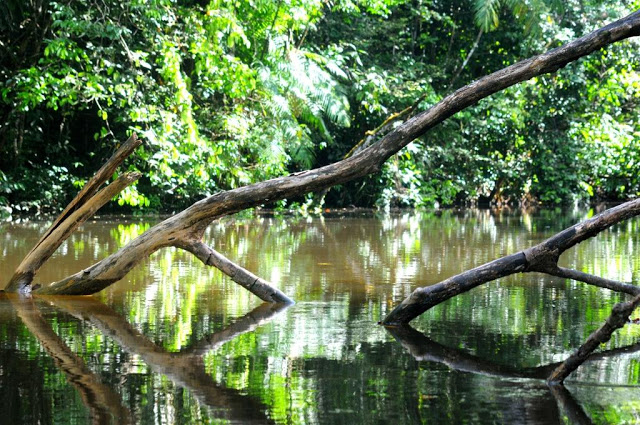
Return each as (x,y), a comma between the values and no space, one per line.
(598,281)
(254,284)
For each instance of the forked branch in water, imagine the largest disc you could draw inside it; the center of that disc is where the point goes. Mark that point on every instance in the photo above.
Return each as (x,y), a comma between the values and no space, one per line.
(542,258)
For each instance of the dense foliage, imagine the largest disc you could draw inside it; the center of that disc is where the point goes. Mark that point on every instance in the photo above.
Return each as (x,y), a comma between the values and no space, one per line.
(227,93)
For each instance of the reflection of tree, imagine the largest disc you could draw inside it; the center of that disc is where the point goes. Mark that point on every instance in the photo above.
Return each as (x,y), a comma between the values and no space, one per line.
(247,323)
(104,404)
(185,369)
(570,406)
(422,348)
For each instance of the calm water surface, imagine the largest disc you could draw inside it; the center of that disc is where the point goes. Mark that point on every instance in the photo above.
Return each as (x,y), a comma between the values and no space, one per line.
(176,342)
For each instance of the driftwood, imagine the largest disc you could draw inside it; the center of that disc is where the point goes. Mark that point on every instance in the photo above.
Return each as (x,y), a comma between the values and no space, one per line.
(84,205)
(542,258)
(185,229)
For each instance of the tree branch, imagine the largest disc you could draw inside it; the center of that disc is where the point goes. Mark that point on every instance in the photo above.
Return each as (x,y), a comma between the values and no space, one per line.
(23,276)
(90,188)
(539,258)
(254,284)
(466,60)
(598,281)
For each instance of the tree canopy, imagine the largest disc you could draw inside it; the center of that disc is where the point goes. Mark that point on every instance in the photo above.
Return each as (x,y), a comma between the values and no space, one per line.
(227,93)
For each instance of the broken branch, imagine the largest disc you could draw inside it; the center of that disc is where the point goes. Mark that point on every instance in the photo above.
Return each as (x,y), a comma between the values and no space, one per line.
(23,276)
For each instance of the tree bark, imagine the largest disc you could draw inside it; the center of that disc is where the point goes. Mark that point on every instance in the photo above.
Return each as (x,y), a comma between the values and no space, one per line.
(186,228)
(60,231)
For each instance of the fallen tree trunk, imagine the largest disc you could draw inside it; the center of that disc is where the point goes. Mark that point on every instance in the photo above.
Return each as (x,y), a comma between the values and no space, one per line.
(185,229)
(541,258)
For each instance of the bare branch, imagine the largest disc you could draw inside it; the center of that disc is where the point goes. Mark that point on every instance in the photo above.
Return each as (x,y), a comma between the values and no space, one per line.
(181,226)
(598,281)
(30,265)
(90,188)
(539,258)
(256,285)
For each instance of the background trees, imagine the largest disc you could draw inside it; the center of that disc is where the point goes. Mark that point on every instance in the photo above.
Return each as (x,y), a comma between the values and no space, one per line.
(230,93)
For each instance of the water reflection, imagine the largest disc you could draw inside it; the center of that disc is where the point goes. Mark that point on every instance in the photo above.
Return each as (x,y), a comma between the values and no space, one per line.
(174,330)
(422,348)
(185,369)
(103,402)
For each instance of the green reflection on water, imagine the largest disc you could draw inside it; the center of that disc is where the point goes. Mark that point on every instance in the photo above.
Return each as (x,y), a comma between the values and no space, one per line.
(164,343)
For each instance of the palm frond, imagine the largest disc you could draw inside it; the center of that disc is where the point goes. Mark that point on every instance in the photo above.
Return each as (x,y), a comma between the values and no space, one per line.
(486,13)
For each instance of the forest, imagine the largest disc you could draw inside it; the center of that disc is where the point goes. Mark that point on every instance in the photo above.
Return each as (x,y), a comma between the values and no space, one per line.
(229,93)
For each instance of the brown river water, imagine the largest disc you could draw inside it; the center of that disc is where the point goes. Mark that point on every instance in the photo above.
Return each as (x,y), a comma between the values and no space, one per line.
(179,343)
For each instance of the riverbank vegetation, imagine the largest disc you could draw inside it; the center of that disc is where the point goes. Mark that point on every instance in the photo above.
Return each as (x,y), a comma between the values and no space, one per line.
(226,94)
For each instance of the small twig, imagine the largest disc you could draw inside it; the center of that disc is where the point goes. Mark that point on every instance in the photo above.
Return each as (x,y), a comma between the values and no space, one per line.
(466,60)
(370,135)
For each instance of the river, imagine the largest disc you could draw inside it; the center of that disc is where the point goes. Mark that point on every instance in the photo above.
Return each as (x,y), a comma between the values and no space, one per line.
(179,343)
